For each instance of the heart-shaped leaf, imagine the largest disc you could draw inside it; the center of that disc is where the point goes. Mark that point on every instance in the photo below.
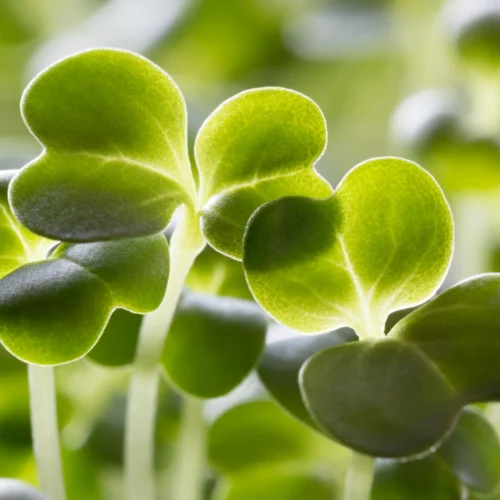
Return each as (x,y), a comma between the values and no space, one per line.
(293,483)
(472,451)
(54,311)
(382,242)
(115,161)
(400,396)
(258,146)
(281,363)
(213,343)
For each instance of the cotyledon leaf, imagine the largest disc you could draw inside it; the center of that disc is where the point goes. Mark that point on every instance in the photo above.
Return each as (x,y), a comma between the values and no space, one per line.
(257,146)
(382,242)
(54,311)
(17,245)
(213,343)
(115,162)
(400,396)
(281,362)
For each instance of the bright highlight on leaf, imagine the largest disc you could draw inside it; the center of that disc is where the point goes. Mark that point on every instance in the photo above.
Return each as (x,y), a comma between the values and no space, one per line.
(382,242)
(400,396)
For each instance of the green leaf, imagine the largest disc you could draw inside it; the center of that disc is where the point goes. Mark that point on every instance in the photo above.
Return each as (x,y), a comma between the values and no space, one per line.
(258,434)
(54,311)
(115,161)
(213,343)
(118,342)
(17,244)
(401,396)
(382,242)
(289,484)
(280,365)
(414,480)
(216,274)
(136,269)
(473,452)
(258,146)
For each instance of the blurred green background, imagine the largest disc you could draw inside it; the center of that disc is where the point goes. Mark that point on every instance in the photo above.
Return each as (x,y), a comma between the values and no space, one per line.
(393,77)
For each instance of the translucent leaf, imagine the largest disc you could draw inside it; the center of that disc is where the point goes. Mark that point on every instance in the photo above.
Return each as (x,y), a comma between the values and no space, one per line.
(382,242)
(115,161)
(255,147)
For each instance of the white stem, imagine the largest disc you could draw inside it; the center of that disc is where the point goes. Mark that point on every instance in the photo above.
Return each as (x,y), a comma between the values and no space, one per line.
(185,245)
(45,431)
(359,478)
(190,464)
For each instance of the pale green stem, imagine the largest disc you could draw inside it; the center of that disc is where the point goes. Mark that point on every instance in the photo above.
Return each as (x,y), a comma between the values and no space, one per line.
(189,467)
(359,478)
(485,94)
(45,432)
(185,245)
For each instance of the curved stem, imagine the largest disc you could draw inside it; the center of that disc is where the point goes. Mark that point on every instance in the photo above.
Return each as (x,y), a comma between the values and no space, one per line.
(359,478)
(185,245)
(190,461)
(44,430)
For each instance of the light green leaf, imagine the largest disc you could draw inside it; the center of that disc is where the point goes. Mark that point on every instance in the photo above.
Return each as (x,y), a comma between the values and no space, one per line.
(257,146)
(54,311)
(213,343)
(217,274)
(280,365)
(118,341)
(115,161)
(279,484)
(473,452)
(401,396)
(382,242)
(414,480)
(17,245)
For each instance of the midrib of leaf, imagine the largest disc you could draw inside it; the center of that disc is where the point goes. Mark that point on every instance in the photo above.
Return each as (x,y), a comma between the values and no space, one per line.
(370,328)
(254,183)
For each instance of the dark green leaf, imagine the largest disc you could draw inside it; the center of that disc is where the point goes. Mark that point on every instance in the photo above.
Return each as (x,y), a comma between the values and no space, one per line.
(401,396)
(118,342)
(280,365)
(213,343)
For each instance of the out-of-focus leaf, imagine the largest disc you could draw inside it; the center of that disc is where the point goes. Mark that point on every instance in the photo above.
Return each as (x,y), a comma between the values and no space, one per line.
(473,452)
(213,343)
(216,274)
(118,342)
(257,434)
(414,480)
(259,145)
(288,484)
